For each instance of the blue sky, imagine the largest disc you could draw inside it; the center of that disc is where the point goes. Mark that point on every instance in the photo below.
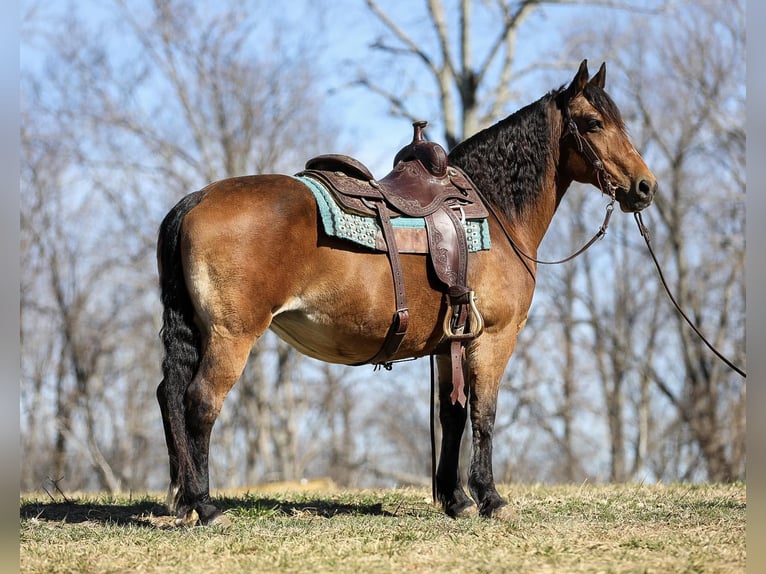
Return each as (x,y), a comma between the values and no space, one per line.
(344,29)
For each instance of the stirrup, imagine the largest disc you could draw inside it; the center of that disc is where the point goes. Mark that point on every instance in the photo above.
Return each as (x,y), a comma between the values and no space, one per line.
(474,319)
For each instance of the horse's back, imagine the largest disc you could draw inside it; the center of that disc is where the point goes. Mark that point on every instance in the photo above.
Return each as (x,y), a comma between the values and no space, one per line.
(250,204)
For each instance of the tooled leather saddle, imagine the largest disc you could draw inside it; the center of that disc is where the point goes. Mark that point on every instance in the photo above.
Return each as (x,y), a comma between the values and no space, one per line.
(422,184)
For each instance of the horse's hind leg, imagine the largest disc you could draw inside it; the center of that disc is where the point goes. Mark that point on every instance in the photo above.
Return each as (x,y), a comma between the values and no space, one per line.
(221,365)
(449,487)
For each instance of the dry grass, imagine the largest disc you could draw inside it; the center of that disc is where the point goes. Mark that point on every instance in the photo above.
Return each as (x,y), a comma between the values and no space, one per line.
(625,528)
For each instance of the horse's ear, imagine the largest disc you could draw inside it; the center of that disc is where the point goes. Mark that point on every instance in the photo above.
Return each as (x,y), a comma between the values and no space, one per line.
(599,79)
(578,83)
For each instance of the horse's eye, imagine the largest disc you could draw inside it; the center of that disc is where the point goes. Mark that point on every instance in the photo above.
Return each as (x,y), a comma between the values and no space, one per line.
(595,125)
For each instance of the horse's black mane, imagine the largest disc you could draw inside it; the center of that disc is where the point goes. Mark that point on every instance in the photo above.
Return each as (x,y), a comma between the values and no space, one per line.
(508,160)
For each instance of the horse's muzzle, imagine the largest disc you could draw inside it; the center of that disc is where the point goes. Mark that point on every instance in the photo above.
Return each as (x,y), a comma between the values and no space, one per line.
(639,196)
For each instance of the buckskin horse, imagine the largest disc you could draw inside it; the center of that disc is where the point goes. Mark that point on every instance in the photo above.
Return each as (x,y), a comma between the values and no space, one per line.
(247,254)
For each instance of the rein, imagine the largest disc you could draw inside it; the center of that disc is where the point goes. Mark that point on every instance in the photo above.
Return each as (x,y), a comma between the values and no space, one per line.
(645,234)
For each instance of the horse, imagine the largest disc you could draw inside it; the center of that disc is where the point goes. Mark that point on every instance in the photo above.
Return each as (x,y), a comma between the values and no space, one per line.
(246,254)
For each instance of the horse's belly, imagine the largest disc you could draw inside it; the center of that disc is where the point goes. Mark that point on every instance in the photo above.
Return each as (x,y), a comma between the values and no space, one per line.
(321,337)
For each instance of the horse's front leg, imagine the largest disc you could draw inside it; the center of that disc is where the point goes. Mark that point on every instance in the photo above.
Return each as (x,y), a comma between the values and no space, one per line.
(449,486)
(486,362)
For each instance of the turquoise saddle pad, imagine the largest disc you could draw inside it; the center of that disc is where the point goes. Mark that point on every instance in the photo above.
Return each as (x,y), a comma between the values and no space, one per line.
(363,230)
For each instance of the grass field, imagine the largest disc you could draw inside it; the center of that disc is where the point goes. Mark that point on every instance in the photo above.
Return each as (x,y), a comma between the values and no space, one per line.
(590,528)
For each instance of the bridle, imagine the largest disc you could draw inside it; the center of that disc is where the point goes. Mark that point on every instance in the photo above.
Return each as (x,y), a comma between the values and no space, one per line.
(604,183)
(583,146)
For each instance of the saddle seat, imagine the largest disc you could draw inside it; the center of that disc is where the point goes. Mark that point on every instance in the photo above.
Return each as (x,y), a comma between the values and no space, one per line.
(421,184)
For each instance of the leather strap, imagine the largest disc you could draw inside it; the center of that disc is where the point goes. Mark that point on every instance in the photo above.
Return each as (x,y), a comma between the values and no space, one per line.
(458,383)
(457,347)
(462,252)
(401,319)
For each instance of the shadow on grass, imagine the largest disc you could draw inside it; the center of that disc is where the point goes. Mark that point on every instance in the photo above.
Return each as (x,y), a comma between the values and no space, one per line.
(77,512)
(325,508)
(146,513)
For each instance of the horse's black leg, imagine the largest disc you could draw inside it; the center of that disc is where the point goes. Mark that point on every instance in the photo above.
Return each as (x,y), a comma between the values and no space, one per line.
(202,408)
(222,364)
(449,486)
(200,419)
(188,486)
(481,482)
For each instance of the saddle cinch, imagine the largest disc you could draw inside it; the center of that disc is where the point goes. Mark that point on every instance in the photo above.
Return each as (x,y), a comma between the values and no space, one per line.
(422,184)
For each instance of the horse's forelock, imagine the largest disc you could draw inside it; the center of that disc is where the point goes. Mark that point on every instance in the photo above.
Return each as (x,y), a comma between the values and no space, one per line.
(600,100)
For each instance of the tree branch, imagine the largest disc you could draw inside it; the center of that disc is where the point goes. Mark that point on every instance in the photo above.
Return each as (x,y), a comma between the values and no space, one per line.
(412,46)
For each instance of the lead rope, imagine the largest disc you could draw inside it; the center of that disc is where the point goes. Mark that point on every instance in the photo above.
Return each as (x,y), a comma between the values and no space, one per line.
(645,234)
(433,429)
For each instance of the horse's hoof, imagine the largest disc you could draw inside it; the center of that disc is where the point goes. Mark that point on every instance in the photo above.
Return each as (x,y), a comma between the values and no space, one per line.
(469,511)
(189,519)
(220,520)
(505,514)
(210,515)
(463,509)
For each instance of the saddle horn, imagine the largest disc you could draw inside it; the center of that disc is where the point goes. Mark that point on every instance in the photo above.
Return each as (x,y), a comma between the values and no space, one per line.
(430,154)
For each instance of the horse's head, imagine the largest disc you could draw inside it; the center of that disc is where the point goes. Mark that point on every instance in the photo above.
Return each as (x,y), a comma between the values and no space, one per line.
(596,149)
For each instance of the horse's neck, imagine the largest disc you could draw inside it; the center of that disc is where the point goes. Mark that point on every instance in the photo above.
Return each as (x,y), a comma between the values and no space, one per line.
(532,220)
(527,195)
(537,216)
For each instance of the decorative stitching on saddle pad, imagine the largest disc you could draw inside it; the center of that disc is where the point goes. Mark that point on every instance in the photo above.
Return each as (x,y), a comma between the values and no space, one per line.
(363,230)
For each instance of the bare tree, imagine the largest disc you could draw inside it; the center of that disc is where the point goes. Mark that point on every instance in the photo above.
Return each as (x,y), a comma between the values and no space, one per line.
(110,142)
(687,104)
(469,58)
(343,461)
(61,287)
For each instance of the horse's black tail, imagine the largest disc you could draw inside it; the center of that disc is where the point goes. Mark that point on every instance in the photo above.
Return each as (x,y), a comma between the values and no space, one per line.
(181,341)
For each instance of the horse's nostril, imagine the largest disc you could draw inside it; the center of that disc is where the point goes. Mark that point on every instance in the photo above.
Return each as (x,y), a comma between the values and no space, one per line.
(645,188)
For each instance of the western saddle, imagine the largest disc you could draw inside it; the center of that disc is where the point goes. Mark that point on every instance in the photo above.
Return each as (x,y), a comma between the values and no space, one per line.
(422,184)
